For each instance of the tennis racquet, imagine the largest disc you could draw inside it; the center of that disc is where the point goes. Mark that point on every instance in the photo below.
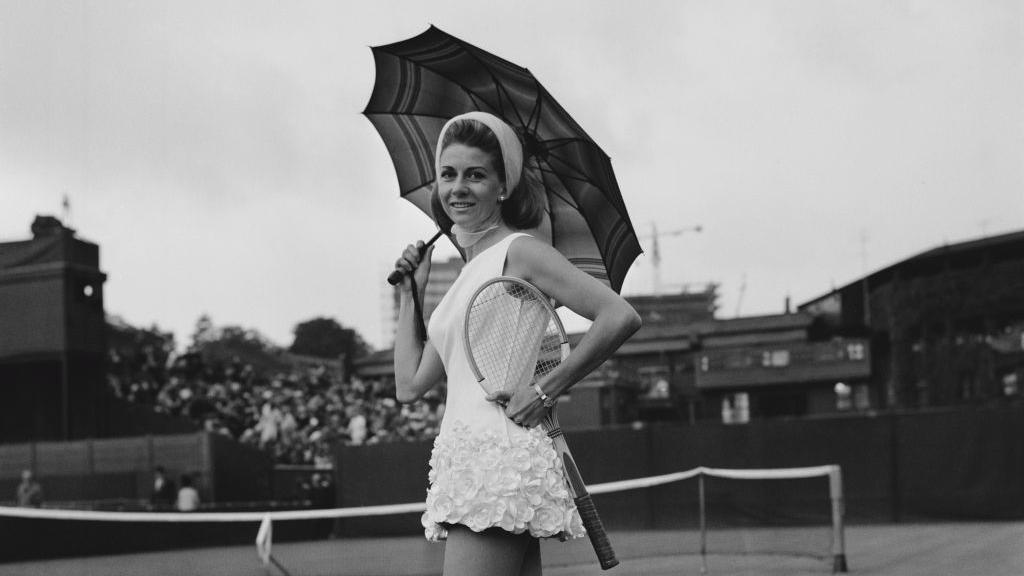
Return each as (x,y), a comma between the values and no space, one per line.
(513,338)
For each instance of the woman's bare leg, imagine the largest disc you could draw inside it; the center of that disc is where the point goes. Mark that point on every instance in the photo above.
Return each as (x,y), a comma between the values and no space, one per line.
(491,552)
(531,563)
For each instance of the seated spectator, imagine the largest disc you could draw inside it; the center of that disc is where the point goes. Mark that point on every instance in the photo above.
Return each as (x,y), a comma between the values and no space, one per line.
(356,426)
(188,497)
(30,492)
(164,492)
(298,416)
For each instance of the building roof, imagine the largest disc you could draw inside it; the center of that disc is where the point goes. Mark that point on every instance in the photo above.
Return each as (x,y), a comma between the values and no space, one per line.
(748,324)
(52,243)
(970,245)
(375,358)
(1009,241)
(657,338)
(699,296)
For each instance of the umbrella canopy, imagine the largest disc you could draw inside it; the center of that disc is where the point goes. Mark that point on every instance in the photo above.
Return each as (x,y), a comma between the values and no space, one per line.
(425,80)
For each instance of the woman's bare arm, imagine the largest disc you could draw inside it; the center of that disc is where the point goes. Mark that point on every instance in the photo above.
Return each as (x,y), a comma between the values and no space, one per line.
(418,366)
(613,319)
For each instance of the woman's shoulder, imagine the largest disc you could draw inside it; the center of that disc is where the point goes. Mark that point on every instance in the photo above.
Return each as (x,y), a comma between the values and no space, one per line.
(523,244)
(526,252)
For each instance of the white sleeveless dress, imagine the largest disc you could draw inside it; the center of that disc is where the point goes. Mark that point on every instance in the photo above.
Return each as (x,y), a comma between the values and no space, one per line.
(486,471)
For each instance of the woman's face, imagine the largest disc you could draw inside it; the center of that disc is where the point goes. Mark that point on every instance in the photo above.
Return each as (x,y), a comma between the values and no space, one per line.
(469,186)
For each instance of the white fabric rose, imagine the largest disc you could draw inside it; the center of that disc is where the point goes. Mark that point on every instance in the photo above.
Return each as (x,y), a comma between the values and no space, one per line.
(492,480)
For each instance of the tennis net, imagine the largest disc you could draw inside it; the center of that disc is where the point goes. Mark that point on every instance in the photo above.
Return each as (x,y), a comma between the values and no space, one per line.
(766,513)
(723,519)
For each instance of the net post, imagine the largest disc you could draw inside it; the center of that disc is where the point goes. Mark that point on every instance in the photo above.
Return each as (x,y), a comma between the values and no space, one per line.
(703,523)
(835,492)
(280,567)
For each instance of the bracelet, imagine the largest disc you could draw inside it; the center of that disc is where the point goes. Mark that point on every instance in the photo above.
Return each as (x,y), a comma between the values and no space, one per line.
(547,400)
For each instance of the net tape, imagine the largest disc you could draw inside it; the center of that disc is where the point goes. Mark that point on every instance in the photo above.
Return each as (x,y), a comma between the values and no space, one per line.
(413,507)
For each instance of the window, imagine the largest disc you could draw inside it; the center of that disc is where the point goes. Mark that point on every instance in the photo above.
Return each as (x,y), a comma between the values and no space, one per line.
(1010,386)
(843,400)
(775,358)
(855,351)
(862,397)
(736,408)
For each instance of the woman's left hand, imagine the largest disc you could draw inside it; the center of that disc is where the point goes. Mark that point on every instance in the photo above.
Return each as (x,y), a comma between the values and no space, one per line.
(524,407)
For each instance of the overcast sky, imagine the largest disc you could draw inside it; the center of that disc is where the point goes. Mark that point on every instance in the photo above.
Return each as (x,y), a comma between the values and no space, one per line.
(216,151)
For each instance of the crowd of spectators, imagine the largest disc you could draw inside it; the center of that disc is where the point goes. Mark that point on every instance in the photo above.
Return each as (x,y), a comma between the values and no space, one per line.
(297,414)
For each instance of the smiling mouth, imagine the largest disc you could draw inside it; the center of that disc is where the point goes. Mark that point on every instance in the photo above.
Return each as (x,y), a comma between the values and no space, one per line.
(461,204)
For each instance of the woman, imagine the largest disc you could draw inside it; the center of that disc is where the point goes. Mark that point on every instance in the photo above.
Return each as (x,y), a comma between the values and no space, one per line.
(495,485)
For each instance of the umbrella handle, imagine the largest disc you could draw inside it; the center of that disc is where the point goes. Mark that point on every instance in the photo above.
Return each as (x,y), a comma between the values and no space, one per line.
(396,275)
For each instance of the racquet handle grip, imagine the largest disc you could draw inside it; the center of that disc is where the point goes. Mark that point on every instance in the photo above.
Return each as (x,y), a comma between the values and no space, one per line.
(396,275)
(595,529)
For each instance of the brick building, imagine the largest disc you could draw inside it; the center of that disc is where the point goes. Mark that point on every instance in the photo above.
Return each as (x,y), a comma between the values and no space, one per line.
(945,326)
(52,335)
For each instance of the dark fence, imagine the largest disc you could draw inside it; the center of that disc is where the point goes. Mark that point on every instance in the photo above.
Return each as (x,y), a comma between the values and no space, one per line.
(953,464)
(950,464)
(121,468)
(116,474)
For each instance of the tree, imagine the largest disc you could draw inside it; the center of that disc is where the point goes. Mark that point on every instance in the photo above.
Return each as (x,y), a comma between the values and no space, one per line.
(203,332)
(227,345)
(136,351)
(326,338)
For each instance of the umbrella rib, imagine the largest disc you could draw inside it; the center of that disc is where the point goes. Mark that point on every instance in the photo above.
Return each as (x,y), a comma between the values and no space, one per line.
(601,249)
(553,191)
(553,144)
(571,172)
(535,114)
(580,175)
(557,174)
(500,87)
(404,193)
(472,52)
(412,114)
(473,95)
(469,50)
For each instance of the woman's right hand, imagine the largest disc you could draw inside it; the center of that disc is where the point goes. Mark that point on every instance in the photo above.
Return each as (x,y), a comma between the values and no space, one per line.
(415,265)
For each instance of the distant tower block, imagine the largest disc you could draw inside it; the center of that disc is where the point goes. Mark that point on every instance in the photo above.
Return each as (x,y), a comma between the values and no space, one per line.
(52,335)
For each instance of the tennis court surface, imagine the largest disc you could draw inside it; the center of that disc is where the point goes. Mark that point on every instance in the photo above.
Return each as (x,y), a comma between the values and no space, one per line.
(989,549)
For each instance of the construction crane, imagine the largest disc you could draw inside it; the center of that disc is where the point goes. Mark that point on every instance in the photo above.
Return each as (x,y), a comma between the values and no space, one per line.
(743,290)
(656,251)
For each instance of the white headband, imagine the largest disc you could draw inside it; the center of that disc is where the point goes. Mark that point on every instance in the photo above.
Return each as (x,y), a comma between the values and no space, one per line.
(511,149)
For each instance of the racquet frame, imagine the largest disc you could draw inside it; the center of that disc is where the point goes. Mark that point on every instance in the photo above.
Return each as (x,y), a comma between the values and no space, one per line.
(577,488)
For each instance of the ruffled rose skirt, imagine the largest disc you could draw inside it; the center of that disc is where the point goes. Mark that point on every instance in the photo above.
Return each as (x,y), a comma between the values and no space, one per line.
(485,481)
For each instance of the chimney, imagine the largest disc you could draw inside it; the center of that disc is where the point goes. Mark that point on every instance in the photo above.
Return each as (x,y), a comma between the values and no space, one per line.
(48,226)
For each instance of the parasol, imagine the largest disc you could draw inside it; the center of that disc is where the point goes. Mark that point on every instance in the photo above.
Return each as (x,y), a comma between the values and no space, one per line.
(425,80)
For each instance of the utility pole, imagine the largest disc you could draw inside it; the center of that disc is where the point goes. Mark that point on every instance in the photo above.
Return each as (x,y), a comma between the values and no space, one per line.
(739,299)
(65,212)
(863,252)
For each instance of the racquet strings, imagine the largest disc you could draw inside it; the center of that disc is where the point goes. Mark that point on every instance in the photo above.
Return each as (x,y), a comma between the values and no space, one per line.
(512,337)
